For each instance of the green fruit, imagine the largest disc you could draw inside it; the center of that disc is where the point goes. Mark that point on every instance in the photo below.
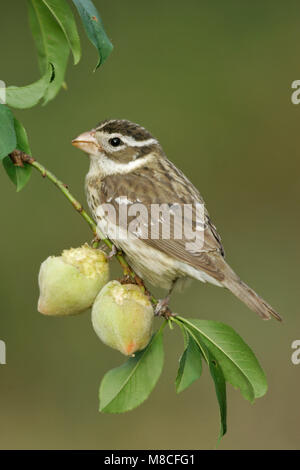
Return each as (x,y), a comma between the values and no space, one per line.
(122,317)
(70,283)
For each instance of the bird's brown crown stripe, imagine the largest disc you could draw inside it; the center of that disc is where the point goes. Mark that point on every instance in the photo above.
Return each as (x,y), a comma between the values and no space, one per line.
(125,128)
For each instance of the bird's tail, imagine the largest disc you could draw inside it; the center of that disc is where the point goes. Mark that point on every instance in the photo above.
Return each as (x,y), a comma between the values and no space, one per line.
(249,296)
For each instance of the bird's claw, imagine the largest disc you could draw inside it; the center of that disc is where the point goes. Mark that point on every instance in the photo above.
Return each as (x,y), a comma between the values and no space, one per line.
(162,308)
(96,239)
(112,252)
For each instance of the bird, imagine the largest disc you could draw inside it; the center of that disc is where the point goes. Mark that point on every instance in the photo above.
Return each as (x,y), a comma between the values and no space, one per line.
(129,169)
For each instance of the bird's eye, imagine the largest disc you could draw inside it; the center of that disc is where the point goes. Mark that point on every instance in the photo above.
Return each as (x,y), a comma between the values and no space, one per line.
(115,142)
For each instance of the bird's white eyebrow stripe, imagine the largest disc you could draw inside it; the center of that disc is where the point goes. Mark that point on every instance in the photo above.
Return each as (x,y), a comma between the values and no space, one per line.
(136,143)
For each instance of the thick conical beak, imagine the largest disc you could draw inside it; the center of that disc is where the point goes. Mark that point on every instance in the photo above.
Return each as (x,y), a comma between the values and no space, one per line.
(87,142)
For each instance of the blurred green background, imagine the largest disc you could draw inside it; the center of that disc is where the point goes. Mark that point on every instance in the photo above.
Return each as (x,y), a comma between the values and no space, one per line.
(212,81)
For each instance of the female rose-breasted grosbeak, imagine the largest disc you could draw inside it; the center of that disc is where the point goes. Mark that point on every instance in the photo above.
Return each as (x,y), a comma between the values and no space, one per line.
(128,166)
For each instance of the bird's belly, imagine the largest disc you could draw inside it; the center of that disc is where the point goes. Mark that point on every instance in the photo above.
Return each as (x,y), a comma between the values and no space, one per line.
(150,264)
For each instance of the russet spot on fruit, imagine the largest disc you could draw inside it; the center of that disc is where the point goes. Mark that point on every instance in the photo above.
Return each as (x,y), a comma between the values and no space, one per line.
(70,283)
(122,317)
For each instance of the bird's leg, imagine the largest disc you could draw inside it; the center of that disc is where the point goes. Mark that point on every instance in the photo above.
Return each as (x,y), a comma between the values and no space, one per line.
(162,306)
(104,247)
(125,279)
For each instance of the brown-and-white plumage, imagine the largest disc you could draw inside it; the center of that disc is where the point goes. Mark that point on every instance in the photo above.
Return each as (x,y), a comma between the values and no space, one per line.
(128,166)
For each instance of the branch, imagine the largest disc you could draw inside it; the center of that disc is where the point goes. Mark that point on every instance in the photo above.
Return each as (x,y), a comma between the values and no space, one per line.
(19,158)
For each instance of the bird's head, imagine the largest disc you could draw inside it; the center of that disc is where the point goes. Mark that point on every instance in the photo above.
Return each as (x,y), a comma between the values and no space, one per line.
(118,142)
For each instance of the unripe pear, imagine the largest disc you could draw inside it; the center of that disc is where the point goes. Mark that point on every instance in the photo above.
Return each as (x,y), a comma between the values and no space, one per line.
(70,283)
(122,317)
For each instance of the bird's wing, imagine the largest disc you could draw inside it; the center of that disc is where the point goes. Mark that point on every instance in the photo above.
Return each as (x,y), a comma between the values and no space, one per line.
(164,184)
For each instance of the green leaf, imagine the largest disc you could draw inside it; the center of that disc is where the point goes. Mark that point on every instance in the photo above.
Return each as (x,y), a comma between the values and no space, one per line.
(237,361)
(8,140)
(63,14)
(30,95)
(19,175)
(51,43)
(220,388)
(127,386)
(94,29)
(219,382)
(190,366)
(215,371)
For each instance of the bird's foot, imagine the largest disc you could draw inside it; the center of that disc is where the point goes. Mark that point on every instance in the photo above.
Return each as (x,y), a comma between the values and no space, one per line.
(100,244)
(125,279)
(162,308)
(112,252)
(96,241)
